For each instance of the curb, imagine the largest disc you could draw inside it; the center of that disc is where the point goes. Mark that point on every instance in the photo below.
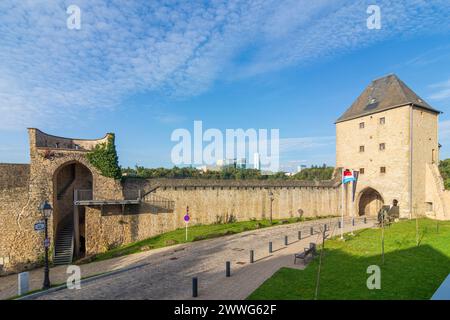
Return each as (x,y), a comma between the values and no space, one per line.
(82,281)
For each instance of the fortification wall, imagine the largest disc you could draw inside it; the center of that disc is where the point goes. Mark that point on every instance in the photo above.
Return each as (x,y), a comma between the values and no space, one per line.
(208,201)
(15,240)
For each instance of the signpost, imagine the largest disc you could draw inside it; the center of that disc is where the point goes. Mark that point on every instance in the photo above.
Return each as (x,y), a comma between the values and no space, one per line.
(186,220)
(39,226)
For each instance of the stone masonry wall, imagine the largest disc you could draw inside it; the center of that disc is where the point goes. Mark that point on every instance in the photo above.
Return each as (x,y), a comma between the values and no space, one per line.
(207,200)
(14,198)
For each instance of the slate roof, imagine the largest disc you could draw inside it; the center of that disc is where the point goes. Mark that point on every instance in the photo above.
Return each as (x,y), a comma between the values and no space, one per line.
(383,94)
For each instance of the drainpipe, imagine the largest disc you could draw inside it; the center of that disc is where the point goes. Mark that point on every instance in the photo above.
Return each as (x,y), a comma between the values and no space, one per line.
(410,160)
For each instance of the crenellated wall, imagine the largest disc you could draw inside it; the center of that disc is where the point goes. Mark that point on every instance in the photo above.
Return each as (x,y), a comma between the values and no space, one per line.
(207,200)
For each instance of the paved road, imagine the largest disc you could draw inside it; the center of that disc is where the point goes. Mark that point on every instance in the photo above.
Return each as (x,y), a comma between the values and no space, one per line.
(168,274)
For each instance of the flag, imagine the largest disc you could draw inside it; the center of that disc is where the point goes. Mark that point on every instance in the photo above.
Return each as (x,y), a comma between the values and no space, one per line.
(355,181)
(347,176)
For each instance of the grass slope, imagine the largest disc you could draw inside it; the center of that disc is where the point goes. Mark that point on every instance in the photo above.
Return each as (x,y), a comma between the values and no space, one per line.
(195,233)
(409,271)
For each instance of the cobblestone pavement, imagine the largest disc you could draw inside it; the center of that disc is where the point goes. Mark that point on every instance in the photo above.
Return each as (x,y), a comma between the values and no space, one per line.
(167,274)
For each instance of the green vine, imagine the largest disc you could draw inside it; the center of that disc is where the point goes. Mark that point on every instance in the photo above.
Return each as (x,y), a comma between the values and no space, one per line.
(104,158)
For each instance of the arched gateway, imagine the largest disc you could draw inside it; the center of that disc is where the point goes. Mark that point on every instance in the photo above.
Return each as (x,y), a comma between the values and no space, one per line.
(370,202)
(68,220)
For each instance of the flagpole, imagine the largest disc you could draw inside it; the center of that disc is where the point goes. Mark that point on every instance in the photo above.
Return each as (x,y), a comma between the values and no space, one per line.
(342,205)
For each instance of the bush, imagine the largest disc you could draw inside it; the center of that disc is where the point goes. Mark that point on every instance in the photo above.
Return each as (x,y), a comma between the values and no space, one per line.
(444,168)
(104,158)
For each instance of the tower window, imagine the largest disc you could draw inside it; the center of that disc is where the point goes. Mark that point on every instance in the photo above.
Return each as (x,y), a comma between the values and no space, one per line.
(382,120)
(361,125)
(382,169)
(361,148)
(382,146)
(361,170)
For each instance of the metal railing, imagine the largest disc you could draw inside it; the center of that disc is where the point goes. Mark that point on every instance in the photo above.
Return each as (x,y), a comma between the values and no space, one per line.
(83,195)
(88,195)
(160,203)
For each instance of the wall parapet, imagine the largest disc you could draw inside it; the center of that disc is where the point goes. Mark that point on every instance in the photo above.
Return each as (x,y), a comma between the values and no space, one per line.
(39,139)
(13,175)
(132,183)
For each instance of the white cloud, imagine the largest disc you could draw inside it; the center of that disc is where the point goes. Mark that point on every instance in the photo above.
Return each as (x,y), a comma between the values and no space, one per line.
(50,74)
(444,130)
(442,90)
(304,143)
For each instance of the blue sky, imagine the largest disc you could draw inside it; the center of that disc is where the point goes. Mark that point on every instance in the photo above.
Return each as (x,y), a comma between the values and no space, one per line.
(142,69)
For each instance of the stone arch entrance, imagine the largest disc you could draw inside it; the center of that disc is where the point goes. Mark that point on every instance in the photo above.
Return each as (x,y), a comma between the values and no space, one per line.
(370,202)
(68,220)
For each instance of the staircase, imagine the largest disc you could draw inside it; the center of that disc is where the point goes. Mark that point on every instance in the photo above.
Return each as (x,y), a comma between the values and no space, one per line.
(64,243)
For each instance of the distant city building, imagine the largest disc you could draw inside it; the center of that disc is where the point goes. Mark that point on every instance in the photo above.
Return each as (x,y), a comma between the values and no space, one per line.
(203,168)
(256,161)
(241,163)
(220,163)
(226,163)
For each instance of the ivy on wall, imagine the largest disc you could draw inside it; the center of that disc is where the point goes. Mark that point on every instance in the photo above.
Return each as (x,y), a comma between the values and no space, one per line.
(104,158)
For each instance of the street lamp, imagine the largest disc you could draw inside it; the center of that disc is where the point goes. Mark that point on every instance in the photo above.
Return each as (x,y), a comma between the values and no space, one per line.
(271,200)
(46,210)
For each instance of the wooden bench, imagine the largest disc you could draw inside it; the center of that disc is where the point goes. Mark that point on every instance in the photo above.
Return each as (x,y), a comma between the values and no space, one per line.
(311,251)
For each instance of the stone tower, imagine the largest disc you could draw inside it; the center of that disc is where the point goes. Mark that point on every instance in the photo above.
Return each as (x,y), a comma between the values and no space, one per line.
(390,135)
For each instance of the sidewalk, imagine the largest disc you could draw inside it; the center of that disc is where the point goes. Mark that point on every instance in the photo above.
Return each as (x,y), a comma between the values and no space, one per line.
(247,279)
(177,264)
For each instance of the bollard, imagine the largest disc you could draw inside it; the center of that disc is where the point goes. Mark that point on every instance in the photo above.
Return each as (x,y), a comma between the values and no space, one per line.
(339,224)
(252,256)
(353,221)
(312,230)
(228,269)
(270,247)
(23,283)
(195,287)
(365,220)
(285,240)
(299,235)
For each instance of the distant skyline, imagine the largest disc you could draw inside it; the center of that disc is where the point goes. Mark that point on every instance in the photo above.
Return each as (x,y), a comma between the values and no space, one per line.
(142,69)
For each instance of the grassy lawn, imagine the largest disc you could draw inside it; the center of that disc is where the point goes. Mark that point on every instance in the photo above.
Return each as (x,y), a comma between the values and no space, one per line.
(409,271)
(195,233)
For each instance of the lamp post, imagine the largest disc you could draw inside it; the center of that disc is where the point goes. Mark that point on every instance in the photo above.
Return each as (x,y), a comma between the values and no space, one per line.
(271,200)
(46,210)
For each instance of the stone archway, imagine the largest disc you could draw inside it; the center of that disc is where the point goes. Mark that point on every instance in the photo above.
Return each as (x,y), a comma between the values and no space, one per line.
(370,202)
(68,220)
